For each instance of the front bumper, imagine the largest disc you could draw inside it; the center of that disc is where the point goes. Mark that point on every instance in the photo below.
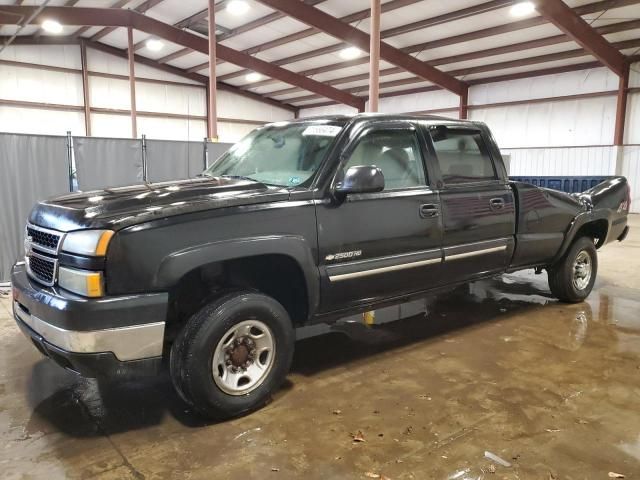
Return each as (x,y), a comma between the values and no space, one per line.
(110,336)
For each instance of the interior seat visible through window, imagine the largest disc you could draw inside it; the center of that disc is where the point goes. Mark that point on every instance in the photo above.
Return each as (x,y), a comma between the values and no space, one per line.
(396,152)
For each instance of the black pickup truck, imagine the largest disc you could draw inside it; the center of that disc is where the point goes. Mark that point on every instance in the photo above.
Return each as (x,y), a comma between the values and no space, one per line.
(299,225)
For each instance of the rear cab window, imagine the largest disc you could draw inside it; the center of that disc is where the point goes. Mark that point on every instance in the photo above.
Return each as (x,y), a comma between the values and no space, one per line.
(462,155)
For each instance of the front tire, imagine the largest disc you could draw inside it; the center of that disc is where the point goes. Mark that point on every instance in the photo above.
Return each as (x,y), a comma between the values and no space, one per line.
(571,279)
(232,354)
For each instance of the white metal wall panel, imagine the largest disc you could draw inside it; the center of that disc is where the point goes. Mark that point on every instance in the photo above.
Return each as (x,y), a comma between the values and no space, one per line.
(67,56)
(419,101)
(109,93)
(37,85)
(631,170)
(562,161)
(236,106)
(570,83)
(108,125)
(564,123)
(634,75)
(155,97)
(36,121)
(328,110)
(632,126)
(233,132)
(98,61)
(171,128)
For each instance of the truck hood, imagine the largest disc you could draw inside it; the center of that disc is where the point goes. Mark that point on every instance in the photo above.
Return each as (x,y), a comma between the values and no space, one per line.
(117,208)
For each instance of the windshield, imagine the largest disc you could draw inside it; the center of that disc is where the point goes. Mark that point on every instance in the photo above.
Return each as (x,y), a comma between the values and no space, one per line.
(282,155)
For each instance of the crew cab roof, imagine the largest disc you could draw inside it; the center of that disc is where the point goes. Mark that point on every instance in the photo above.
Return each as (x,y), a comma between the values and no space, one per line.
(365,117)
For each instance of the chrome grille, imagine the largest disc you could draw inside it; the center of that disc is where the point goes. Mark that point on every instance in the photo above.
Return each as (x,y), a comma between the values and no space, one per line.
(42,268)
(41,247)
(44,239)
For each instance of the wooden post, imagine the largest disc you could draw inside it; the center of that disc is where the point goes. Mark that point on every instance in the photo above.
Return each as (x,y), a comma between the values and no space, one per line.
(85,89)
(212,114)
(374,56)
(132,83)
(621,106)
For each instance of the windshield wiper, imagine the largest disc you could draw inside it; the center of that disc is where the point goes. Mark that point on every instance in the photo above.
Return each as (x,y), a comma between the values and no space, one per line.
(240,177)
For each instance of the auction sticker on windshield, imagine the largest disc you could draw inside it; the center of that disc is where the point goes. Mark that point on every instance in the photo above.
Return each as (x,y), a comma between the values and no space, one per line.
(322,130)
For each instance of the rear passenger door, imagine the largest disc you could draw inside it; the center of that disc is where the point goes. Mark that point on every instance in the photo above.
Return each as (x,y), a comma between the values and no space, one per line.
(478,209)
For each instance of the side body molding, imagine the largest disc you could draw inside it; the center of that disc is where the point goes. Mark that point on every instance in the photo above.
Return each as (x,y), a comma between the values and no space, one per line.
(177,264)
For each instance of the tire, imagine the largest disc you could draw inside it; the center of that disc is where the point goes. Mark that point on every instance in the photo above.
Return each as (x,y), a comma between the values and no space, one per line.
(567,285)
(226,331)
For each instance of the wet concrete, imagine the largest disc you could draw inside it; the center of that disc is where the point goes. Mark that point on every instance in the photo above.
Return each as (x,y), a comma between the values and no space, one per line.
(499,366)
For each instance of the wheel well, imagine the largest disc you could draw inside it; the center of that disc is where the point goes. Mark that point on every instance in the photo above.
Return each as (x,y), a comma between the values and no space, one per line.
(596,230)
(278,276)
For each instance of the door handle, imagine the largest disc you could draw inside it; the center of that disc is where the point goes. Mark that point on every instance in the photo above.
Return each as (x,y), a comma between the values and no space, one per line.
(429,210)
(496,204)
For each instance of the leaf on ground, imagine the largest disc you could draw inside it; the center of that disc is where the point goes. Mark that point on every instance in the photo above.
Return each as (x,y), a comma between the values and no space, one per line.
(615,475)
(358,436)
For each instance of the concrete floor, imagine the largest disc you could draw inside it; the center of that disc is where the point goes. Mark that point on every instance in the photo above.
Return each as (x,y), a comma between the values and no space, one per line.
(553,389)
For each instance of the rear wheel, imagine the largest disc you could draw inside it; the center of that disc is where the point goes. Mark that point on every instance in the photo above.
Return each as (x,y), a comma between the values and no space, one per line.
(572,278)
(232,354)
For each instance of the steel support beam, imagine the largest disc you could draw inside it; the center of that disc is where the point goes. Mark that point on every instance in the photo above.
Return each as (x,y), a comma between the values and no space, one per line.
(212,112)
(374,56)
(127,18)
(132,82)
(621,105)
(142,8)
(563,17)
(463,108)
(359,16)
(342,31)
(85,89)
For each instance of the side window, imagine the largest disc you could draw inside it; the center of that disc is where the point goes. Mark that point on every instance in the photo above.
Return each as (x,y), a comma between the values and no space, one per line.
(396,152)
(462,155)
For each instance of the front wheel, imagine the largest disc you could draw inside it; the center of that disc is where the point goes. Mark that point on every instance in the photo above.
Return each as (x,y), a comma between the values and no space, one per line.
(232,354)
(572,279)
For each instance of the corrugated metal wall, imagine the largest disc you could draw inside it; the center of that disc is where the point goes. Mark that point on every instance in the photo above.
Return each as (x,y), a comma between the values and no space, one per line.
(65,88)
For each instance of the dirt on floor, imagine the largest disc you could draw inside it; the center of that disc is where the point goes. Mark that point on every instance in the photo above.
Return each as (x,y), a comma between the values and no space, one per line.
(498,369)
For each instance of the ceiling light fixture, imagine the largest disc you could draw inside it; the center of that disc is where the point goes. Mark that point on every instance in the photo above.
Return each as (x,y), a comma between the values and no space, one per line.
(52,26)
(237,7)
(253,77)
(350,53)
(154,44)
(521,9)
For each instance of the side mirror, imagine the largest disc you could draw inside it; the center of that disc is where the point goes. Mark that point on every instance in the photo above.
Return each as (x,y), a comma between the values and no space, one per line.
(361,179)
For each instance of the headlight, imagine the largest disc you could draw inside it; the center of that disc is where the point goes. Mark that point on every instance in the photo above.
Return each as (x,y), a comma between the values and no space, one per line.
(82,282)
(88,242)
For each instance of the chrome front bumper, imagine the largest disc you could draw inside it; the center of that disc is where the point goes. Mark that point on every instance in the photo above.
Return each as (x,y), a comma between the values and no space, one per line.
(126,343)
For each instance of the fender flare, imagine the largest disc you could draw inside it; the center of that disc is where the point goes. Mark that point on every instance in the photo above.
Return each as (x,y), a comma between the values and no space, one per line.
(177,264)
(580,220)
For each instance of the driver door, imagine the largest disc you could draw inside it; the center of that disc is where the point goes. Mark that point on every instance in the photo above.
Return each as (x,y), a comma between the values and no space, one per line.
(375,246)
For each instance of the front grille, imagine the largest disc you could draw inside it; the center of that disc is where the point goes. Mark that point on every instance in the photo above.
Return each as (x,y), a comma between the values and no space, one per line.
(42,268)
(46,239)
(41,251)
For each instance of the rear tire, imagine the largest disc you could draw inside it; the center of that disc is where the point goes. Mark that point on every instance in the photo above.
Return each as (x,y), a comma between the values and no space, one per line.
(232,354)
(572,278)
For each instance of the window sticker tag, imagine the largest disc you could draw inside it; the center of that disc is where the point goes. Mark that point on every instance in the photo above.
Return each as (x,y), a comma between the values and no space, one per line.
(322,130)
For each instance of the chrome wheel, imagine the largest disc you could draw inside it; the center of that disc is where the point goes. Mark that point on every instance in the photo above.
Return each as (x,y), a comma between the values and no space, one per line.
(244,357)
(582,270)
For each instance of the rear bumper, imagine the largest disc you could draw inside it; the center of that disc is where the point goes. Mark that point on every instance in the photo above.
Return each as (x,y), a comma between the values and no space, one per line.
(110,336)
